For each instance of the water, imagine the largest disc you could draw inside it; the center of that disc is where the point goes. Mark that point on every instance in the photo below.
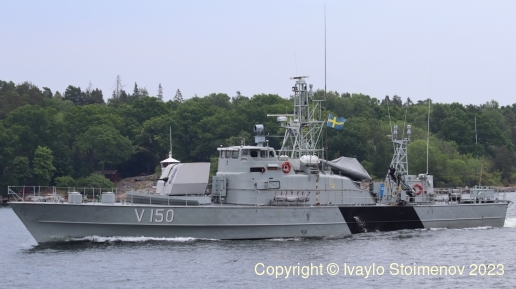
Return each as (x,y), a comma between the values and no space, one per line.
(193,263)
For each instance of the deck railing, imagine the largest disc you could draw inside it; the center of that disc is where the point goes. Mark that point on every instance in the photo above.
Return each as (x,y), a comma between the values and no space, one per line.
(35,193)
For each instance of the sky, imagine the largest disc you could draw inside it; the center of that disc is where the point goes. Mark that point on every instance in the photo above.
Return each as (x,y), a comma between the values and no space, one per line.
(449,51)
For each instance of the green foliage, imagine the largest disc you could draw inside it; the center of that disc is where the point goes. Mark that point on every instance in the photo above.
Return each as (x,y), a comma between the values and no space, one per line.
(91,181)
(43,168)
(94,181)
(13,96)
(214,164)
(157,170)
(45,136)
(65,181)
(75,95)
(104,145)
(21,170)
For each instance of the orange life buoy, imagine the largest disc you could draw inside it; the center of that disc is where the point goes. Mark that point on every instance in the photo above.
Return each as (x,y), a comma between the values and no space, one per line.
(286,167)
(418,192)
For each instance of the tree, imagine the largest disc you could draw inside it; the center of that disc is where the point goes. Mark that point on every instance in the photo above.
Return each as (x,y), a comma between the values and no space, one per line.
(396,100)
(43,168)
(96,97)
(13,96)
(147,107)
(94,181)
(33,126)
(239,100)
(21,169)
(119,87)
(82,134)
(124,97)
(219,99)
(47,92)
(142,92)
(7,140)
(58,95)
(65,181)
(119,95)
(5,143)
(136,91)
(92,96)
(75,95)
(178,97)
(160,92)
(104,145)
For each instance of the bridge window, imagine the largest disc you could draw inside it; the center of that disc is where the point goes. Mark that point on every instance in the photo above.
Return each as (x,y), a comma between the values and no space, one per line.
(245,152)
(234,154)
(228,154)
(254,153)
(263,154)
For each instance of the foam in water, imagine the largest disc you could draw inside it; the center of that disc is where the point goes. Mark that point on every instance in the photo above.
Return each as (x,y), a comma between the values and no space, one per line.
(510,223)
(478,228)
(438,229)
(99,239)
(472,228)
(284,239)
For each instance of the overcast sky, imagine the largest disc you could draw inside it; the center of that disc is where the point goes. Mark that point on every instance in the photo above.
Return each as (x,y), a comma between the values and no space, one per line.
(449,51)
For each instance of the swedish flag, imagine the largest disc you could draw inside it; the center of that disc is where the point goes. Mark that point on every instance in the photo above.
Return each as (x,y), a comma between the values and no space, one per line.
(336,122)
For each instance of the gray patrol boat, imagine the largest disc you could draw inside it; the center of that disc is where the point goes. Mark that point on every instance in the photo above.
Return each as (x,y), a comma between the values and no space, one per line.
(259,192)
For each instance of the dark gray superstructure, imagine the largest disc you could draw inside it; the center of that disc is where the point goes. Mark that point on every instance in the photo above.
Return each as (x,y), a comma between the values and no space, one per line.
(259,192)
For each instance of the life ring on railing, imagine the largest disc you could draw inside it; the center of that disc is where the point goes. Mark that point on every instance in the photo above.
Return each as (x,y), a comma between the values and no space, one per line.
(263,170)
(286,167)
(418,192)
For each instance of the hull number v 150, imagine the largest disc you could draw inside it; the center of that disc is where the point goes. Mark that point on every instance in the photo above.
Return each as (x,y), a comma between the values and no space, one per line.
(156,216)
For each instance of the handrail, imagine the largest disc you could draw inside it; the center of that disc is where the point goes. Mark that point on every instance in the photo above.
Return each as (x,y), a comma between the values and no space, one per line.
(22,194)
(13,193)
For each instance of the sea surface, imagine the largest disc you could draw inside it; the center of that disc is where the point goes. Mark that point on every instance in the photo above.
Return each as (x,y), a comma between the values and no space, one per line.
(440,258)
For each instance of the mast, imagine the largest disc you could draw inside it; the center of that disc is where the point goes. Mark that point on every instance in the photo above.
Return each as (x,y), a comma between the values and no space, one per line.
(428,136)
(327,156)
(400,157)
(303,128)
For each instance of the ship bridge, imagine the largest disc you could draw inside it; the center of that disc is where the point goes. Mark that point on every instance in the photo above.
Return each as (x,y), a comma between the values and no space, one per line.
(246,153)
(247,159)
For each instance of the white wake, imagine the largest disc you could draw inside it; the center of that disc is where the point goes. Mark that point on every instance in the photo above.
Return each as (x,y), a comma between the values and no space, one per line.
(99,239)
(510,223)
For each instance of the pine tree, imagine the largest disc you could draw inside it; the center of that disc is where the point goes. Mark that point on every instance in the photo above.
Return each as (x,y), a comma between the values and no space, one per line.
(136,91)
(178,97)
(160,92)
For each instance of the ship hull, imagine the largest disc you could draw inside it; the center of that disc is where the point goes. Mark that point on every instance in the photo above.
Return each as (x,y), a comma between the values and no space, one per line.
(362,219)
(49,222)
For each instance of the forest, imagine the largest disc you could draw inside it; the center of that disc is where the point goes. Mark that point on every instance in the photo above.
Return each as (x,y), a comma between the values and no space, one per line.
(53,138)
